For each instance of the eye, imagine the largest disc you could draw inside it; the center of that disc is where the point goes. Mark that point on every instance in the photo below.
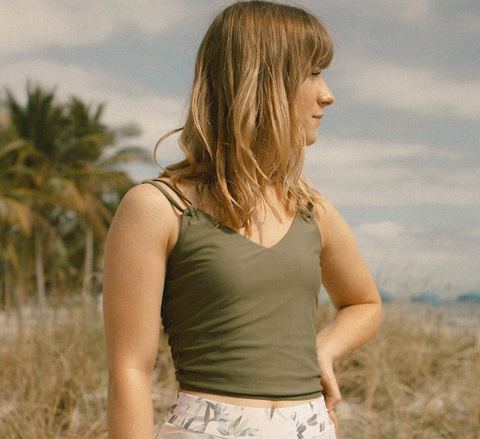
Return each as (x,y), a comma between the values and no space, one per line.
(316,73)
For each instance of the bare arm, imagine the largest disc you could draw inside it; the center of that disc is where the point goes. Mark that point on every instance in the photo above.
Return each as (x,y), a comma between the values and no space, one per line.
(135,258)
(353,293)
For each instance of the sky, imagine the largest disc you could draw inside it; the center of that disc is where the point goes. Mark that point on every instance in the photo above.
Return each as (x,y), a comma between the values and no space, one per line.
(398,153)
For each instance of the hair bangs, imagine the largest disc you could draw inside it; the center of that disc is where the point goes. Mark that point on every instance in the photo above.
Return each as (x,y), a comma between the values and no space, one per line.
(318,43)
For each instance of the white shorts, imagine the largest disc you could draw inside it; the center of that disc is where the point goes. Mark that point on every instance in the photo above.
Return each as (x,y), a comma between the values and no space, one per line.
(191,417)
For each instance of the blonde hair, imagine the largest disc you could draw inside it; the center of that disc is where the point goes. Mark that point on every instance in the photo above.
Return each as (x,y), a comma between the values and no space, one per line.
(242,133)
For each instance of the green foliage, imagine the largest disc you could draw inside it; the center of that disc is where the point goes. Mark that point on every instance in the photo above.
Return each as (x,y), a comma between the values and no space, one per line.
(61,175)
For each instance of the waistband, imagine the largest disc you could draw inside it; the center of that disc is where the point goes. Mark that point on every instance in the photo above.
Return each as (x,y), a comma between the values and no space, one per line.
(308,420)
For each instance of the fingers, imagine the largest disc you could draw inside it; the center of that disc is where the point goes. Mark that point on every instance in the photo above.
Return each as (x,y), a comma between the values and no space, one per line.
(333,417)
(332,399)
(331,391)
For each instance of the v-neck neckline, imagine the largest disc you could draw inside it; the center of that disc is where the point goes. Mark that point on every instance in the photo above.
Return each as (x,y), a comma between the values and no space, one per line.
(214,221)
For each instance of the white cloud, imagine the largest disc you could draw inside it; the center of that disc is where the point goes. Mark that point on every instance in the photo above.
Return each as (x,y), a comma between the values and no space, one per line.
(408,11)
(415,90)
(470,24)
(357,173)
(406,260)
(33,24)
(474,233)
(385,231)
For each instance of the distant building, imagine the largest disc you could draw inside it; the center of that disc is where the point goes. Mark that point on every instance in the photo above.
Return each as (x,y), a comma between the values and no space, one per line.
(427,298)
(469,297)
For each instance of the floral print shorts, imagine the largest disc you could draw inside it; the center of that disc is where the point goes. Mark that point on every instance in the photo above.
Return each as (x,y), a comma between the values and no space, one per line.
(191,417)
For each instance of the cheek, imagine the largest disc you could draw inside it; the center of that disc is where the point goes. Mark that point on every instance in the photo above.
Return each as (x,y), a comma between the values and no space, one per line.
(301,106)
(305,99)
(300,99)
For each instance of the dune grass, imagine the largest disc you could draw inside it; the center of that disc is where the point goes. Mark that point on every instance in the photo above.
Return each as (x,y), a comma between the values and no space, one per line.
(418,378)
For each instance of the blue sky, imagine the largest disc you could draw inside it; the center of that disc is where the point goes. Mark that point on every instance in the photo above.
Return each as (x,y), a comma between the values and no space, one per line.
(398,153)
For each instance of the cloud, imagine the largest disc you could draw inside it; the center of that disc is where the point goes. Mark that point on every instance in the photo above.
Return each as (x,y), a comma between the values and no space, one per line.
(386,232)
(410,11)
(413,89)
(363,173)
(406,260)
(470,23)
(33,24)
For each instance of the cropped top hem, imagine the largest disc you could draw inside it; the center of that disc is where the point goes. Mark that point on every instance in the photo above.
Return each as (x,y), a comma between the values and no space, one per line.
(313,395)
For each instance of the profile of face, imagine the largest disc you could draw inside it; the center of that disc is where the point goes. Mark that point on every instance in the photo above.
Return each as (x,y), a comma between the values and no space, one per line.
(250,90)
(312,97)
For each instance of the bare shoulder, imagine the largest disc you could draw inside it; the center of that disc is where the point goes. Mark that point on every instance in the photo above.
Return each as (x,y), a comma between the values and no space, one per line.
(144,197)
(145,212)
(146,203)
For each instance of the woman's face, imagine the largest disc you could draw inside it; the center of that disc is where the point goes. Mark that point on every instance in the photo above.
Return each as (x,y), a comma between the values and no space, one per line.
(312,97)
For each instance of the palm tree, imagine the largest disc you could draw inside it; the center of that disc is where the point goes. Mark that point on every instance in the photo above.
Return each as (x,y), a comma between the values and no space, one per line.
(15,218)
(87,159)
(38,124)
(69,173)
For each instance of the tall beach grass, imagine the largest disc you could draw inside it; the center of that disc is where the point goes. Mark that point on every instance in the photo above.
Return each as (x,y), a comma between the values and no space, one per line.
(418,378)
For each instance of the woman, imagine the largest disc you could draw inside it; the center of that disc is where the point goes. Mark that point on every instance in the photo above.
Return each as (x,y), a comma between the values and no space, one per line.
(230,246)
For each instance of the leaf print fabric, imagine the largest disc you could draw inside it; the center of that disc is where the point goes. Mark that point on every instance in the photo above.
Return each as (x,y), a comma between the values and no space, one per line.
(192,417)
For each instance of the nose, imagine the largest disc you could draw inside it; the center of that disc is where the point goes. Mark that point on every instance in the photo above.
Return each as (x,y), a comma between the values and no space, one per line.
(325,97)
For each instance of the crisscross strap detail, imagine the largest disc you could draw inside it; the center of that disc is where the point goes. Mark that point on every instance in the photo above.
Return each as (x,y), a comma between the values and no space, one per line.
(155,182)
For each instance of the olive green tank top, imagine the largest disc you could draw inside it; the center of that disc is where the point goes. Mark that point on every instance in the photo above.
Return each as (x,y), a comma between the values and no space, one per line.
(241,317)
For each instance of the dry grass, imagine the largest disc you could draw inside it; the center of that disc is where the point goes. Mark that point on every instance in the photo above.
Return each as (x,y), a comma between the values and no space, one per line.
(419,378)
(52,380)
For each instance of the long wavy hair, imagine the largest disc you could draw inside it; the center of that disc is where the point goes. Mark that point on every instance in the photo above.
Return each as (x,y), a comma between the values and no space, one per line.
(242,133)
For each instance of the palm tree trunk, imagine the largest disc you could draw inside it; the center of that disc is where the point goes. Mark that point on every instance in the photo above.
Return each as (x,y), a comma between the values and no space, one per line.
(88,264)
(8,288)
(41,296)
(1,294)
(19,299)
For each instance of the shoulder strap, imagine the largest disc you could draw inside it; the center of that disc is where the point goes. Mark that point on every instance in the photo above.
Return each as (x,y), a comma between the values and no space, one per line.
(153,181)
(303,212)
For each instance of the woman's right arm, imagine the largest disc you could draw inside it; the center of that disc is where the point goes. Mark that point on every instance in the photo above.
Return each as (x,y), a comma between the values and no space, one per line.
(136,251)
